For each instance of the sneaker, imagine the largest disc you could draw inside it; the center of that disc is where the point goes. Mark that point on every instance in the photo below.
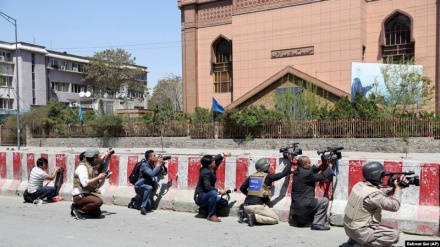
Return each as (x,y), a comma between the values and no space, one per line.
(251,219)
(77,214)
(130,204)
(38,202)
(143,211)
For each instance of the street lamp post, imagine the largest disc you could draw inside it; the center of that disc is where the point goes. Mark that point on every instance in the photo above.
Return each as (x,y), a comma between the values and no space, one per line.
(17,92)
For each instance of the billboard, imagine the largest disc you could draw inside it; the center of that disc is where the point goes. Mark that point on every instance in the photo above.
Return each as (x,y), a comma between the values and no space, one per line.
(367,78)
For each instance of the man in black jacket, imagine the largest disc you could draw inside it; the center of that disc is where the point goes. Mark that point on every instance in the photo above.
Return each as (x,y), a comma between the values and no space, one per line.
(304,205)
(257,189)
(206,195)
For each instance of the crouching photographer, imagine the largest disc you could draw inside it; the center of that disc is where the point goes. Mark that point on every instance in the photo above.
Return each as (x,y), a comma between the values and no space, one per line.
(257,189)
(367,199)
(150,168)
(306,210)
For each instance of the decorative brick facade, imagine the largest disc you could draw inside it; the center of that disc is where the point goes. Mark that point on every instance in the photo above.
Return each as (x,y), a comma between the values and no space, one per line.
(319,39)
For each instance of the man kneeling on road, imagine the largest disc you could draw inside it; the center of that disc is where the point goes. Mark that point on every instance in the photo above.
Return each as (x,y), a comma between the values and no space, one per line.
(257,189)
(145,185)
(363,212)
(87,199)
(305,207)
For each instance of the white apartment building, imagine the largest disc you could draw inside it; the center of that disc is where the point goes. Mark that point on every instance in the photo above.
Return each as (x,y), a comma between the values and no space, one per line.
(44,74)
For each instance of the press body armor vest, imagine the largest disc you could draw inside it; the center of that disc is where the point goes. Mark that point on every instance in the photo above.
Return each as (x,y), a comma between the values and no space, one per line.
(257,186)
(356,216)
(91,174)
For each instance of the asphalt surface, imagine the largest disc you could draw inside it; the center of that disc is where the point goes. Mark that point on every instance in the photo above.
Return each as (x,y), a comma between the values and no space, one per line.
(24,224)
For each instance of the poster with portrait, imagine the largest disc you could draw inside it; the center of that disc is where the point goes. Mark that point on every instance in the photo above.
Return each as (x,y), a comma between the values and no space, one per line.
(367,78)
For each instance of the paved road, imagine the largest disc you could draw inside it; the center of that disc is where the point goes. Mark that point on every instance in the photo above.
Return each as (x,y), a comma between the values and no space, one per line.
(51,225)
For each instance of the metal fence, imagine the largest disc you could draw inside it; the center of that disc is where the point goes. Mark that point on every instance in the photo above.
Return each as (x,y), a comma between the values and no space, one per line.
(8,136)
(298,129)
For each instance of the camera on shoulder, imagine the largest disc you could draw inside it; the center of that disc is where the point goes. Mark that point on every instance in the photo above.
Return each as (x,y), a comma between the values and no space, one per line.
(331,153)
(293,150)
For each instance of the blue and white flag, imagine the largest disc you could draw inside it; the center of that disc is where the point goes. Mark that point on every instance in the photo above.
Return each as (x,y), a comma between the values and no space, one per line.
(80,113)
(217,107)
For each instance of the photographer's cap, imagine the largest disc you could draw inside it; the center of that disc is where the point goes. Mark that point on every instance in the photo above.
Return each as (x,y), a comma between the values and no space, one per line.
(91,152)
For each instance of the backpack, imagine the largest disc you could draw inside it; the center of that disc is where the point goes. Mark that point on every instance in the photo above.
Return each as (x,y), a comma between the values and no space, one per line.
(27,197)
(134,176)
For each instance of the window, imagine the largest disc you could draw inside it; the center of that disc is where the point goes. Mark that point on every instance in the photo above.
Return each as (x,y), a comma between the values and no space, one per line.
(135,94)
(54,63)
(6,56)
(398,43)
(60,86)
(75,67)
(7,81)
(76,88)
(222,66)
(81,68)
(6,103)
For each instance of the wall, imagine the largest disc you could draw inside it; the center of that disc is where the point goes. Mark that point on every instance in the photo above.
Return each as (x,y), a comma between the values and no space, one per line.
(419,213)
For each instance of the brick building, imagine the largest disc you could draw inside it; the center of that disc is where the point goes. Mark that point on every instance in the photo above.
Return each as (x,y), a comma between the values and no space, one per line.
(241,51)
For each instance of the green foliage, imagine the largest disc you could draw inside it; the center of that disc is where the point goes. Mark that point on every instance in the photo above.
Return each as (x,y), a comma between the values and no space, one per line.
(298,103)
(108,125)
(252,116)
(407,89)
(165,112)
(170,88)
(35,117)
(201,115)
(110,71)
(147,117)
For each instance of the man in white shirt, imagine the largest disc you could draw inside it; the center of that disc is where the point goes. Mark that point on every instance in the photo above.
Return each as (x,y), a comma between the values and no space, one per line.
(37,176)
(86,183)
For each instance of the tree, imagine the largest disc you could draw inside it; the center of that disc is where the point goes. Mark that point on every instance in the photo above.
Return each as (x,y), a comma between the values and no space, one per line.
(406,88)
(298,103)
(111,71)
(169,87)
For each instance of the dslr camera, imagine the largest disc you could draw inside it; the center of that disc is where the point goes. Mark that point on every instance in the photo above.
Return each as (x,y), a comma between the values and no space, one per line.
(164,169)
(329,153)
(412,180)
(294,150)
(165,157)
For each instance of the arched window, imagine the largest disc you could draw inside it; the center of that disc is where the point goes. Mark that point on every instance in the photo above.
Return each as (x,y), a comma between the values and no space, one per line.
(398,44)
(222,66)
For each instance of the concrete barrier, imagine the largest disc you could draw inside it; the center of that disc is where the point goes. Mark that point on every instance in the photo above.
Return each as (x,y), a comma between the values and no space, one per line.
(419,212)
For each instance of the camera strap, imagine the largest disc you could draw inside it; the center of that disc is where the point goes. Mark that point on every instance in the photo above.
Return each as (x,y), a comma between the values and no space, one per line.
(335,170)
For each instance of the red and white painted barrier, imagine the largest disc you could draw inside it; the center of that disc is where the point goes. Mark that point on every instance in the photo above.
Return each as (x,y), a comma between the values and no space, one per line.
(419,211)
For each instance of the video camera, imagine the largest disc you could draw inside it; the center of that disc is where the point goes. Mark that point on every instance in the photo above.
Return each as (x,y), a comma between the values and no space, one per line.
(295,150)
(415,180)
(327,155)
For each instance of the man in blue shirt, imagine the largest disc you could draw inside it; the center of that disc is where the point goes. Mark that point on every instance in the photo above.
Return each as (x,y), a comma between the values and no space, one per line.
(144,187)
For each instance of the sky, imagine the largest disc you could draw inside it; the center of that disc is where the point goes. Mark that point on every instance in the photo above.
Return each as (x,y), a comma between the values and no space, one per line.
(147,29)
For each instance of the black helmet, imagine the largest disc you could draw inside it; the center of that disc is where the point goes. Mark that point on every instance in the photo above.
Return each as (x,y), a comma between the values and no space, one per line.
(373,171)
